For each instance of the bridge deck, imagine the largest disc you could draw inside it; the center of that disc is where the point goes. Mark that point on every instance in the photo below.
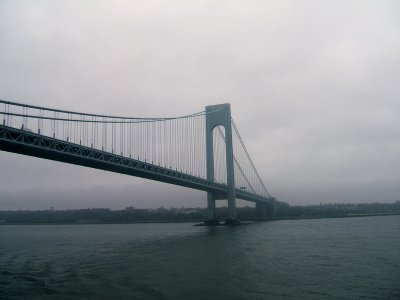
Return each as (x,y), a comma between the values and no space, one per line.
(28,143)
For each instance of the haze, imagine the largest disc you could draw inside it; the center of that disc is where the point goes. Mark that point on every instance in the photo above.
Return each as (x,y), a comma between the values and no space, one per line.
(314,89)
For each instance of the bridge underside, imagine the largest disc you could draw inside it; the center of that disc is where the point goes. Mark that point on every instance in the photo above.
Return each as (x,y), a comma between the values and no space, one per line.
(28,143)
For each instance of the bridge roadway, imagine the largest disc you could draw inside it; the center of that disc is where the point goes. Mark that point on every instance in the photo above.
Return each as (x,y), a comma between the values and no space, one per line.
(28,143)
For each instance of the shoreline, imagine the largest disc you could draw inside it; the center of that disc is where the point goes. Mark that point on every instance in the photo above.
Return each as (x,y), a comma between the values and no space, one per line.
(197,222)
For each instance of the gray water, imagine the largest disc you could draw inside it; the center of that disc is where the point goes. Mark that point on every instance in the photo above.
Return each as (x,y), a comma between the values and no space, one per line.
(351,258)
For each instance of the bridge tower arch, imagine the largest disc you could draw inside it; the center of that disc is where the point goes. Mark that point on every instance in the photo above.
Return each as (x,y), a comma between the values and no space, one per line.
(220,115)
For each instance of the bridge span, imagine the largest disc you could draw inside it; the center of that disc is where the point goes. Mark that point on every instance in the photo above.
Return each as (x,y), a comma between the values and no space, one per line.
(202,151)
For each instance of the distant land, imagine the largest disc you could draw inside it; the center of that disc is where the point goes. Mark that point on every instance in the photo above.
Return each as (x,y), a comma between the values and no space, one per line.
(134,215)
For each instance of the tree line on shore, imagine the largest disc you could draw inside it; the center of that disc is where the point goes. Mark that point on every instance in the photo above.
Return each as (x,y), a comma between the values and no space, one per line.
(134,215)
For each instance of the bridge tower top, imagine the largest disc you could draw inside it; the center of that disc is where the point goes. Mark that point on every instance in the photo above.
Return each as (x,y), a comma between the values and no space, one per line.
(219,115)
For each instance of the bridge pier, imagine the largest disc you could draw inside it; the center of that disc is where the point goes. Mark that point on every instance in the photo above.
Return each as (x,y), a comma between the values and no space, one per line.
(211,210)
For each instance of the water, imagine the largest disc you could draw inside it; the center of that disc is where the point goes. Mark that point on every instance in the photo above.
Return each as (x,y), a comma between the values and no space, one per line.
(352,258)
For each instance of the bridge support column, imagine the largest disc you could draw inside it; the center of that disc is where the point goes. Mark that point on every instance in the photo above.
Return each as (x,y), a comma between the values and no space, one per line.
(220,115)
(211,211)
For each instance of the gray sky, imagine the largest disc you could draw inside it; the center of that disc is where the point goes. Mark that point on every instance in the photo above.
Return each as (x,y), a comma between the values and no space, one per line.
(314,88)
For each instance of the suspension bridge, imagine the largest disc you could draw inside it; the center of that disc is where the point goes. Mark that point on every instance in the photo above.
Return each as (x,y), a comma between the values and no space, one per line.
(202,151)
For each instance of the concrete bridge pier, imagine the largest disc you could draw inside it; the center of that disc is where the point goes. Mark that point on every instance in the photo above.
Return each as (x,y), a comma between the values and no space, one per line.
(211,210)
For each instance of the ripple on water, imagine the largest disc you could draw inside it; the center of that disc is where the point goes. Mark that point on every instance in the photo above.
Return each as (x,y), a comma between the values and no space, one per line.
(309,259)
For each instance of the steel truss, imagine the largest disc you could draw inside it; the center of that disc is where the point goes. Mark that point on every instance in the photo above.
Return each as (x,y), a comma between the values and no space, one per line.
(32,144)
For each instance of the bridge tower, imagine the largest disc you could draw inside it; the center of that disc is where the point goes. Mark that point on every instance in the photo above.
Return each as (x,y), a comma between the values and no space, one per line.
(220,115)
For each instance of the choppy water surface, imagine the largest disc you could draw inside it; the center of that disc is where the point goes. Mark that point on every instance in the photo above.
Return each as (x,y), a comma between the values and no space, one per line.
(353,258)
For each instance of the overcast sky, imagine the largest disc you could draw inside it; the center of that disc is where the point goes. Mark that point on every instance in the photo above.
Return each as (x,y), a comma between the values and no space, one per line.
(314,88)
